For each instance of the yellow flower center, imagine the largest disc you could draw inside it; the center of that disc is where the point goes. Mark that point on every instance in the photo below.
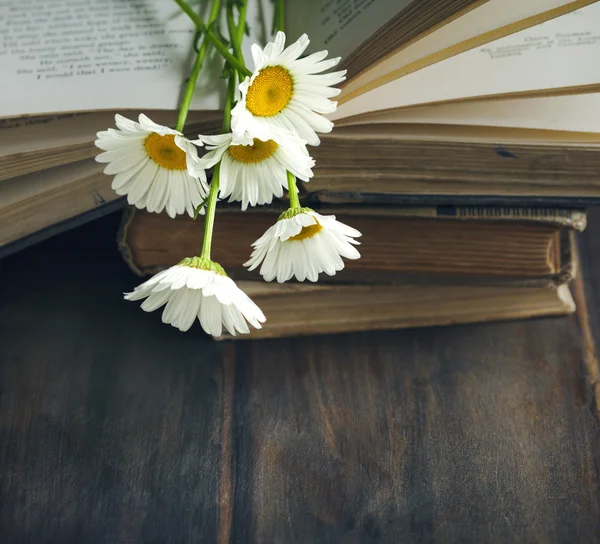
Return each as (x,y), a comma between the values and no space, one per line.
(164,151)
(307,232)
(270,91)
(257,152)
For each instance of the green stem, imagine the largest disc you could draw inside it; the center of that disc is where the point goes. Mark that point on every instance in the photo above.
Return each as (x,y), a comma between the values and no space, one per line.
(231,26)
(211,205)
(280,15)
(242,25)
(191,86)
(217,43)
(231,85)
(233,33)
(293,191)
(189,90)
(211,208)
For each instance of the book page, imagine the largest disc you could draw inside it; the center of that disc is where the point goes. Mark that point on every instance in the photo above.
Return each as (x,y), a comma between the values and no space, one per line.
(77,55)
(430,132)
(573,112)
(34,202)
(19,136)
(339,26)
(558,54)
(17,189)
(490,17)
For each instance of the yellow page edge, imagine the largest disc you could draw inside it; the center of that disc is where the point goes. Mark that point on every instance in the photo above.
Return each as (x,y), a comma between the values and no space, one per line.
(417,38)
(466,45)
(536,93)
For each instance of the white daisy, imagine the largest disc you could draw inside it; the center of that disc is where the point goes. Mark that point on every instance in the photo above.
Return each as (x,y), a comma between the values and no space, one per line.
(151,163)
(287,92)
(254,171)
(303,244)
(199,288)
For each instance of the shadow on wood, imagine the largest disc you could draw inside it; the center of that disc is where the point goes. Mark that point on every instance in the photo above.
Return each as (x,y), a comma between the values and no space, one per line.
(117,428)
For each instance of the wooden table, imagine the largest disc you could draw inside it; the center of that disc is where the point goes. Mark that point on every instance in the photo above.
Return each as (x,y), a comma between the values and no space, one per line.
(116,428)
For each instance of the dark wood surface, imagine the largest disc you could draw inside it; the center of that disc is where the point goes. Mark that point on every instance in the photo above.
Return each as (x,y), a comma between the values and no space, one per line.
(115,428)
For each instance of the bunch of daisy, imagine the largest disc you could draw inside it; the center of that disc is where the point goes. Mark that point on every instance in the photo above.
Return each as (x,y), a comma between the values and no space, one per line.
(272,114)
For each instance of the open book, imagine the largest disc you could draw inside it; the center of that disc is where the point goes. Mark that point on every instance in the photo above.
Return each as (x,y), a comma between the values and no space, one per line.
(451,98)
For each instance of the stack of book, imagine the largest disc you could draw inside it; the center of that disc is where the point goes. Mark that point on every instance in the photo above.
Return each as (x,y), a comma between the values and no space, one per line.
(466,149)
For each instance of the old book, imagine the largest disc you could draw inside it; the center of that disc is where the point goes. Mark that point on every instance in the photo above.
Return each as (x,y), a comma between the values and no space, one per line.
(444,98)
(380,41)
(444,244)
(32,202)
(323,309)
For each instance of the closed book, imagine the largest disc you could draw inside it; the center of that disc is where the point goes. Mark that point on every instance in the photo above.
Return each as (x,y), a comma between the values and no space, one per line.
(300,309)
(452,244)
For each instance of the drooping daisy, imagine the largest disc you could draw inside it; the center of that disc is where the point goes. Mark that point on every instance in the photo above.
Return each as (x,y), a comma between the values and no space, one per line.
(199,288)
(287,92)
(150,163)
(303,244)
(253,171)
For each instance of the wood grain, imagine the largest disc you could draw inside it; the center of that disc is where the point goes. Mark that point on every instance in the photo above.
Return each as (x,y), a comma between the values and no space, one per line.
(475,434)
(117,428)
(587,295)
(107,434)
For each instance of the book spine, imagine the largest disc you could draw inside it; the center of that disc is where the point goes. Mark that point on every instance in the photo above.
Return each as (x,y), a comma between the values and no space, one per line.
(123,245)
(575,219)
(568,258)
(489,206)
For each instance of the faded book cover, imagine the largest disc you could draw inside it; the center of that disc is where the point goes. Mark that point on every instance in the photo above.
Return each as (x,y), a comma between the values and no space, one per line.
(453,245)
(326,309)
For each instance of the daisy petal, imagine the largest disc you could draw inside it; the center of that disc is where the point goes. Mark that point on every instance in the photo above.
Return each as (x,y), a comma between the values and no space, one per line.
(303,247)
(188,292)
(303,92)
(150,163)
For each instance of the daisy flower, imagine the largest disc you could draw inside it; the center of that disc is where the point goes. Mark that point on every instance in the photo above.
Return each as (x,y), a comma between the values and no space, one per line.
(150,163)
(199,288)
(287,92)
(303,244)
(253,171)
